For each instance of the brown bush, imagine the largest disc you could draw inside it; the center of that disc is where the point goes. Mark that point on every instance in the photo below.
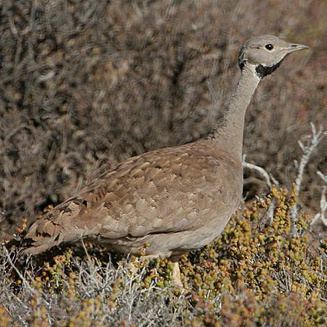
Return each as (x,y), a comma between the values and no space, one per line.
(83,82)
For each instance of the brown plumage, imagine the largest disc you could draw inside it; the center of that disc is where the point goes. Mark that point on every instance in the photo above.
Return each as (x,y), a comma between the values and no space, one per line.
(172,200)
(153,199)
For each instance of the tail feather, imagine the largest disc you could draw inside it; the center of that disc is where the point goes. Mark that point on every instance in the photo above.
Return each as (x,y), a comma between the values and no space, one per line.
(60,225)
(42,236)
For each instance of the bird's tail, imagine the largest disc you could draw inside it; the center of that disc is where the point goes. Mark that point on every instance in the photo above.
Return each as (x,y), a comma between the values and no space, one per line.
(41,236)
(62,224)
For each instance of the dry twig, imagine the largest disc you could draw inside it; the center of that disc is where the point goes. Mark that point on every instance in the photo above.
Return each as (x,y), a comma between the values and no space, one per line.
(313,141)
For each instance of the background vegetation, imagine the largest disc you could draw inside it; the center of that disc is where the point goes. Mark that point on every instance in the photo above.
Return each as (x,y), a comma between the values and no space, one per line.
(87,83)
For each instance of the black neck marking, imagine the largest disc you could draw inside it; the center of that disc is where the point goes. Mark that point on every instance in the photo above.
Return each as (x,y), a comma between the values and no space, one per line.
(241,64)
(263,71)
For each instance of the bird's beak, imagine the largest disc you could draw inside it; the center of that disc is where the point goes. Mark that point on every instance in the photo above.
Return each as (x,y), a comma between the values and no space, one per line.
(296,47)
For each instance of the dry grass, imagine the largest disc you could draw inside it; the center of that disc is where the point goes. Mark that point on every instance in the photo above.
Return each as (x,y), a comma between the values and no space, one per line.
(254,275)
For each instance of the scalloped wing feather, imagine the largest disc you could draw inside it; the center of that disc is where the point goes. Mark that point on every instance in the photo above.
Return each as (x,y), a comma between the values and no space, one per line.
(164,191)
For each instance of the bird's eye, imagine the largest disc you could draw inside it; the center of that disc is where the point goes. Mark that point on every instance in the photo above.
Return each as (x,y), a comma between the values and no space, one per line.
(269,46)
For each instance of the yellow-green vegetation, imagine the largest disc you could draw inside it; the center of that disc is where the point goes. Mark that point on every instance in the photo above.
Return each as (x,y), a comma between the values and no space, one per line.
(254,275)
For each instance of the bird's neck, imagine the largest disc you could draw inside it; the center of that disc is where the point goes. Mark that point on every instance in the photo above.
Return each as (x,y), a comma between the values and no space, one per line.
(229,133)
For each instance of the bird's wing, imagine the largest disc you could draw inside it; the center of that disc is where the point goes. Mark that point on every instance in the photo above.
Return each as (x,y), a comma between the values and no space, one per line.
(159,191)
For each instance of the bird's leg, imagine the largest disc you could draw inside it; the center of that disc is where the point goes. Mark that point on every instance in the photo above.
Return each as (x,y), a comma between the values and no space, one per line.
(176,275)
(175,272)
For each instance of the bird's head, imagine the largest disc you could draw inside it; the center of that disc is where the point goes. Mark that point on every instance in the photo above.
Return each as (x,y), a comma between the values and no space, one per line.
(265,53)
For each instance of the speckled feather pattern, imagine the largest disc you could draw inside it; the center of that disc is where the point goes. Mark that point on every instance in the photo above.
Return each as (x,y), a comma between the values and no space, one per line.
(172,200)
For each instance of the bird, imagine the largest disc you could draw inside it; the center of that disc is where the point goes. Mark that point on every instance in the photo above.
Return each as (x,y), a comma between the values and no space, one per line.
(173,200)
